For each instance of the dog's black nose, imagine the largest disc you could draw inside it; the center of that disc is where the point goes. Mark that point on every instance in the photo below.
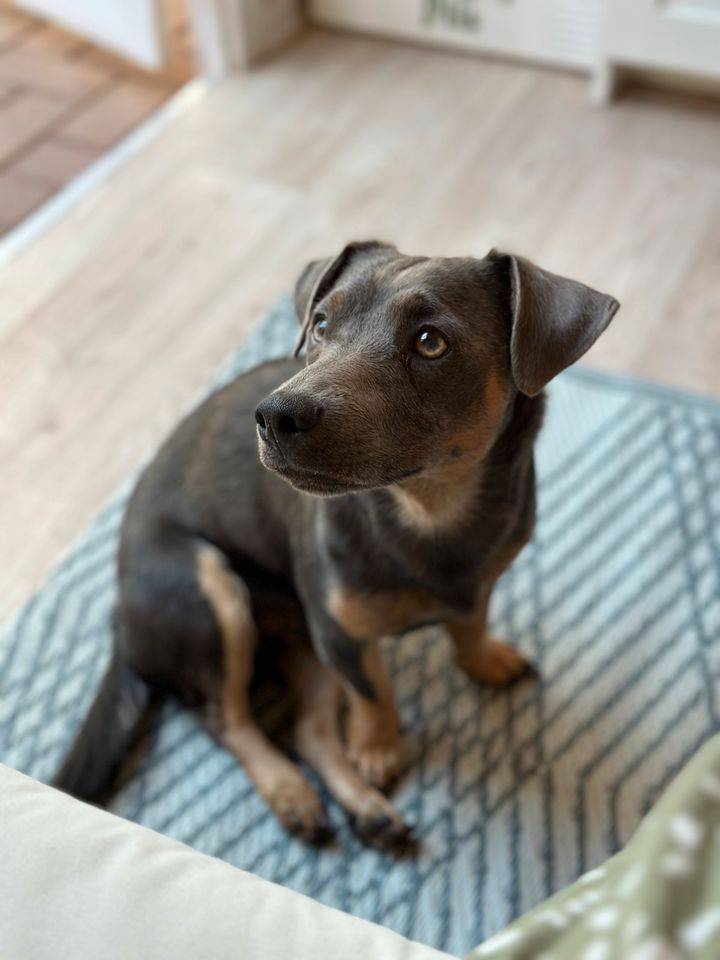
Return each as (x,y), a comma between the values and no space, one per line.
(280,416)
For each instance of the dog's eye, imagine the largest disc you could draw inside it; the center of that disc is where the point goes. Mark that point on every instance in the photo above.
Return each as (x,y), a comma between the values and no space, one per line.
(430,343)
(319,325)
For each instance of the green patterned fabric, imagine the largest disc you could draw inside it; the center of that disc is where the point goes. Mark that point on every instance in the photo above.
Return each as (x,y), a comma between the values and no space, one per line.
(659,899)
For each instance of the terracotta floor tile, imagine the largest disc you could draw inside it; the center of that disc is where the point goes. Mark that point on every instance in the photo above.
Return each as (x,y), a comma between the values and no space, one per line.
(115,113)
(19,197)
(46,38)
(6,89)
(13,25)
(55,162)
(23,117)
(64,101)
(170,76)
(89,53)
(51,73)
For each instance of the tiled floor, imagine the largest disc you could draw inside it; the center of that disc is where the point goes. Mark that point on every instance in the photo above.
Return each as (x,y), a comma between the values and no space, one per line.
(64,102)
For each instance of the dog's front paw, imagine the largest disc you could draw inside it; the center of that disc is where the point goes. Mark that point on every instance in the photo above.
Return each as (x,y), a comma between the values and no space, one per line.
(377,763)
(373,741)
(495,663)
(300,810)
(377,822)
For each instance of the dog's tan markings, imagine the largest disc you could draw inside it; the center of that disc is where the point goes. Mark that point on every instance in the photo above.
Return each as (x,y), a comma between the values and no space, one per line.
(442,498)
(280,782)
(366,616)
(476,436)
(373,729)
(496,397)
(481,656)
(228,597)
(484,658)
(316,694)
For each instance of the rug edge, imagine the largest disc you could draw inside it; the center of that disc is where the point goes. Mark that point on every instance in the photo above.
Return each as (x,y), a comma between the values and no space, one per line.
(652,388)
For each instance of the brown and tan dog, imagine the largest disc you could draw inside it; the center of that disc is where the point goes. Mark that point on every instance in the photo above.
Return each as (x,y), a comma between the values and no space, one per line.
(396,485)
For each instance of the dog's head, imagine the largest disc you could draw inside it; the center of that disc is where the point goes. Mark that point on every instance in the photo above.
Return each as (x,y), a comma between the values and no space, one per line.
(412,362)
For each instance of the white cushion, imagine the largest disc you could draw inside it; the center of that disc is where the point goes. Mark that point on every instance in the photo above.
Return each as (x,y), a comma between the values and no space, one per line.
(77,883)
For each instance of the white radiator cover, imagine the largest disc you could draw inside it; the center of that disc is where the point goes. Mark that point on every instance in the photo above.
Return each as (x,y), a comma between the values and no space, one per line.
(682,35)
(560,32)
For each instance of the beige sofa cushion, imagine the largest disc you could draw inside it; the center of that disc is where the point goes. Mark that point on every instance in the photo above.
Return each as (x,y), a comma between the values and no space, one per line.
(77,883)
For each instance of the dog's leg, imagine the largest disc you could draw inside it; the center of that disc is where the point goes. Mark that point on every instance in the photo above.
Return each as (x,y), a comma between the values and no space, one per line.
(373,727)
(279,781)
(481,656)
(316,694)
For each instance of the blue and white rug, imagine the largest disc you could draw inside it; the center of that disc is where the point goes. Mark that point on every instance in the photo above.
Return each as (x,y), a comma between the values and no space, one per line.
(514,793)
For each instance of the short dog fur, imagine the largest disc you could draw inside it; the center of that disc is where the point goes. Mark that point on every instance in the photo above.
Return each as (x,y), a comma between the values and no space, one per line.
(394,485)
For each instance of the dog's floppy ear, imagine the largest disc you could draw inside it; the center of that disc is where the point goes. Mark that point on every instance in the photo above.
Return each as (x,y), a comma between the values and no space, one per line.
(306,294)
(554,321)
(319,276)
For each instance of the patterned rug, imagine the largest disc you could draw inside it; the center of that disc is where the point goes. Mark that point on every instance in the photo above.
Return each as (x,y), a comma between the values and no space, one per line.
(514,793)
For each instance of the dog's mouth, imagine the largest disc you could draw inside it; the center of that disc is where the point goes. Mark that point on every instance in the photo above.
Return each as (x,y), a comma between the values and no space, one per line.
(320,483)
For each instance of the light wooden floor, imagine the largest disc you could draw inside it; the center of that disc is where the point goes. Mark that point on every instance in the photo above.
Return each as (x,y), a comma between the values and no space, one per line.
(111,322)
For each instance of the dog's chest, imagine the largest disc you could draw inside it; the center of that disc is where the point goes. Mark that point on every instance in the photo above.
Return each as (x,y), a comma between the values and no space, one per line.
(386,600)
(365,614)
(378,586)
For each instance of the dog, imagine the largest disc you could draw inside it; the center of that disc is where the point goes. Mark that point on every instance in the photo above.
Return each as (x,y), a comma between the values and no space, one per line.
(394,485)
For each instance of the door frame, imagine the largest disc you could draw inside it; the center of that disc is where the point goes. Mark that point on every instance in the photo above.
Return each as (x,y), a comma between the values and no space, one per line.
(231,35)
